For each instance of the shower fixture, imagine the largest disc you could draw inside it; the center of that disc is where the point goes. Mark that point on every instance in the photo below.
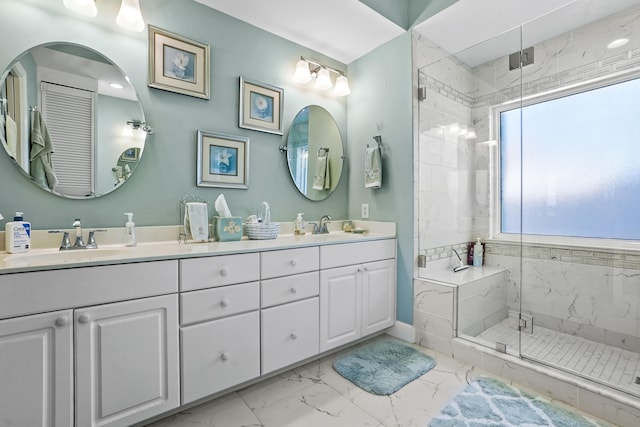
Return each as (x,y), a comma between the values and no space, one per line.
(462,265)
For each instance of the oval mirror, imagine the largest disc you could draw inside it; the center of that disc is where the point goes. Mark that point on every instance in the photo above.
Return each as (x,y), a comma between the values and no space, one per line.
(71,120)
(314,152)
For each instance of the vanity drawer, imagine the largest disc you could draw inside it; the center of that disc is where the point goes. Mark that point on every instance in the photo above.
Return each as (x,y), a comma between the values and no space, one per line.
(198,306)
(290,333)
(220,354)
(290,288)
(201,273)
(290,261)
(40,291)
(356,253)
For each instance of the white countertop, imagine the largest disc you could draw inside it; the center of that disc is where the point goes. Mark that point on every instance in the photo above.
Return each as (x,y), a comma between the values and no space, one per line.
(451,278)
(153,245)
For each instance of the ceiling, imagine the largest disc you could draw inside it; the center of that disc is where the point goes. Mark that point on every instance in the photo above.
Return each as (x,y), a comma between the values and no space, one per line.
(345,30)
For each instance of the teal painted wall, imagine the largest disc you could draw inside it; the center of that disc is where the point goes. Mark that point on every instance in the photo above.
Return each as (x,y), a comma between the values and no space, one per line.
(168,167)
(380,104)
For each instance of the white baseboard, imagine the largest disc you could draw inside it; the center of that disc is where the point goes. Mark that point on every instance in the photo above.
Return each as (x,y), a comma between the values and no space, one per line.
(403,331)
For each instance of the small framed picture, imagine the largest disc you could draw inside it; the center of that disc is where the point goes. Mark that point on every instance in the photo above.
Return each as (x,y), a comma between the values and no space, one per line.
(130,155)
(178,64)
(223,160)
(260,107)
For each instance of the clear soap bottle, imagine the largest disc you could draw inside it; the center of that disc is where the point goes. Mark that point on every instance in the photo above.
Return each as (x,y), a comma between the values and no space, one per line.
(130,227)
(298,225)
(477,254)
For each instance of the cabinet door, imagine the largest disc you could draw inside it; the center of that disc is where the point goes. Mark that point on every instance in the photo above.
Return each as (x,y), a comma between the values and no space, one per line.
(340,306)
(378,296)
(36,370)
(126,361)
(220,354)
(290,333)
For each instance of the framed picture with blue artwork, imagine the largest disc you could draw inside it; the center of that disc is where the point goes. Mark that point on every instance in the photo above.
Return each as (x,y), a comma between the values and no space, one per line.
(223,160)
(260,106)
(178,64)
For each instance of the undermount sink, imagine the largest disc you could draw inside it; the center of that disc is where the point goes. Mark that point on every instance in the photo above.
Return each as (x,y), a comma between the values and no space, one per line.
(46,256)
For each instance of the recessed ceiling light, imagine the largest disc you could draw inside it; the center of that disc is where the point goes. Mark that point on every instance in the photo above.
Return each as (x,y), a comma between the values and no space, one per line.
(116,86)
(617,43)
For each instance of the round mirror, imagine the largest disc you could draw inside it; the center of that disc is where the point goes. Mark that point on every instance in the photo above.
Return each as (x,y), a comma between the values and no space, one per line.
(71,120)
(314,152)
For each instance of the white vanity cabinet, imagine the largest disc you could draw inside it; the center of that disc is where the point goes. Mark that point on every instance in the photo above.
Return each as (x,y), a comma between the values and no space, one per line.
(290,326)
(220,323)
(125,352)
(357,290)
(126,361)
(36,370)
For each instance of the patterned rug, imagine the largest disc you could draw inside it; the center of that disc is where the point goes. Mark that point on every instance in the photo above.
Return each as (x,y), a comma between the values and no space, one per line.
(383,367)
(489,402)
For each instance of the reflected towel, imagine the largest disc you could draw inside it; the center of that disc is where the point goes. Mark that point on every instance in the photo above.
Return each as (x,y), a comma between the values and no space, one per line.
(41,149)
(12,136)
(322,177)
(196,221)
(373,168)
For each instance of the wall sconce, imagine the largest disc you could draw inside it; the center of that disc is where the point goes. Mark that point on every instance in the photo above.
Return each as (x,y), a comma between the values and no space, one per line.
(136,125)
(321,73)
(129,16)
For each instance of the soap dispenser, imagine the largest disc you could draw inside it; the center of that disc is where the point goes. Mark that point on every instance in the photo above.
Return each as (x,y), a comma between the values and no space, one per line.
(298,226)
(130,239)
(478,252)
(17,234)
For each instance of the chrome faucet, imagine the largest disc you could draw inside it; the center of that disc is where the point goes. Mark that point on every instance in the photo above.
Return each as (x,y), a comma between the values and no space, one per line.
(65,245)
(321,227)
(79,243)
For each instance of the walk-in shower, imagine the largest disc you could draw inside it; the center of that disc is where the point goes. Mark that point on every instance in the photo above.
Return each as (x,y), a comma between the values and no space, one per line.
(542,162)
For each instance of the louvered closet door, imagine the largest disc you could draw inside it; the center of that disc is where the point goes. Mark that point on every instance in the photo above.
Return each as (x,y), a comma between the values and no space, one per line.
(68,113)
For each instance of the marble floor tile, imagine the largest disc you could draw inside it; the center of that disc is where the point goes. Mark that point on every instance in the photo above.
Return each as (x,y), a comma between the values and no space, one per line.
(316,395)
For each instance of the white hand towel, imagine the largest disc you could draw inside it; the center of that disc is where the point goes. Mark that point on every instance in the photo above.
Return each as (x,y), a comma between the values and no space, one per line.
(322,178)
(12,136)
(373,168)
(196,221)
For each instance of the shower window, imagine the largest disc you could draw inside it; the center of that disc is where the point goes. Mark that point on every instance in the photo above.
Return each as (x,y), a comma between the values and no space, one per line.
(576,153)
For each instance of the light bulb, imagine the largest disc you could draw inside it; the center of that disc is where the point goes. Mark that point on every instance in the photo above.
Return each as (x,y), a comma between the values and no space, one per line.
(302,74)
(83,7)
(323,81)
(342,86)
(130,16)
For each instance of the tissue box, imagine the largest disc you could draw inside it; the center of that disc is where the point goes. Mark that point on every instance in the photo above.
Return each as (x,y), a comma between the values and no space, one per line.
(227,229)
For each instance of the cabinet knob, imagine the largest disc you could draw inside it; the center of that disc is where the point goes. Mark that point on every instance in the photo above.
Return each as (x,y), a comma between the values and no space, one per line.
(293,262)
(224,302)
(83,318)
(359,270)
(224,271)
(294,335)
(224,355)
(294,289)
(61,321)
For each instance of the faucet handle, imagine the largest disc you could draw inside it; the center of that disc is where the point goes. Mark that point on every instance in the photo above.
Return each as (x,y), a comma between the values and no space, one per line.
(66,242)
(91,240)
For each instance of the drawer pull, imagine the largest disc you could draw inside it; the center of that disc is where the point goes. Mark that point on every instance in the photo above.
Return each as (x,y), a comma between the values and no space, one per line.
(224,302)
(294,289)
(224,271)
(224,355)
(61,321)
(359,270)
(293,262)
(294,335)
(83,318)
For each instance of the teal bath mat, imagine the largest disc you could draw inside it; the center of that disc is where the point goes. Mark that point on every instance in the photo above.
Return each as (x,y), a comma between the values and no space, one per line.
(383,367)
(489,402)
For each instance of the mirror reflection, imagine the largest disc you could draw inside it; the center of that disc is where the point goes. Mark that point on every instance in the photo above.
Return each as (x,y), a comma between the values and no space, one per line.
(65,120)
(314,152)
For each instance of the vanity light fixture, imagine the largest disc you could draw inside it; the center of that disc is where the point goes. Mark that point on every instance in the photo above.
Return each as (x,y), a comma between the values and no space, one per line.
(138,125)
(304,74)
(129,16)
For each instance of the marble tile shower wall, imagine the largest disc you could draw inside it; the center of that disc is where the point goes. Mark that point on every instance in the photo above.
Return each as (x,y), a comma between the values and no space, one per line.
(593,294)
